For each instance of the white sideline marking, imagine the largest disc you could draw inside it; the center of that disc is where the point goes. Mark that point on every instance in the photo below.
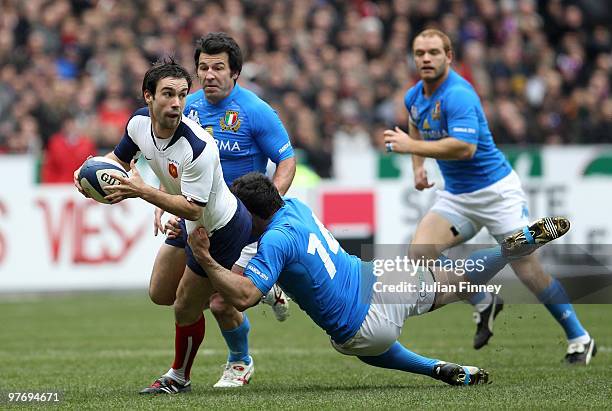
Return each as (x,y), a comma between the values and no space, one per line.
(104,354)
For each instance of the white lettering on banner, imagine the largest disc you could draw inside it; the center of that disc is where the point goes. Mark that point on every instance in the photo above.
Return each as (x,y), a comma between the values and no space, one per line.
(61,241)
(72,225)
(53,239)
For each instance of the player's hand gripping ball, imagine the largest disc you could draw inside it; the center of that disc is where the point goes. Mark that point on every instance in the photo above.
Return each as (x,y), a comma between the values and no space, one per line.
(97,173)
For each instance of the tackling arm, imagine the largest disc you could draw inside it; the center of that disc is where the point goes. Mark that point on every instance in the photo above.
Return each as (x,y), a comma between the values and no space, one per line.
(237,290)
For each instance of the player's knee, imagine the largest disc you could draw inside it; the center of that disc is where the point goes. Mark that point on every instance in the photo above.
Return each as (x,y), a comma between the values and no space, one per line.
(185,312)
(219,307)
(423,252)
(161,297)
(159,292)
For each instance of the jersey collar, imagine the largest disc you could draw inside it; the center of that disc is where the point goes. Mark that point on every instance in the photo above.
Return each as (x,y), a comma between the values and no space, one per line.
(451,73)
(177,134)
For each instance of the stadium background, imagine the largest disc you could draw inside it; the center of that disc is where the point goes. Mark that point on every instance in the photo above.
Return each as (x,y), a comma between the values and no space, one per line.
(336,71)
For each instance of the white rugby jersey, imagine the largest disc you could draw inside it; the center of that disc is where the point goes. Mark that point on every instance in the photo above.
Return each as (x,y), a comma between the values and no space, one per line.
(188,165)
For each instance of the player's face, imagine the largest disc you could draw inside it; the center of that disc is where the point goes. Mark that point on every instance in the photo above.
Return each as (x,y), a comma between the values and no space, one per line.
(215,76)
(431,61)
(167,105)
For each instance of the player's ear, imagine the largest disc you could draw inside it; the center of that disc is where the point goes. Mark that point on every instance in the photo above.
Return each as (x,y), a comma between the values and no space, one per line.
(148,97)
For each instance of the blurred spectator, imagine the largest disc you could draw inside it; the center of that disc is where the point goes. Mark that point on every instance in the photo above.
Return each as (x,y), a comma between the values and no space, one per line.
(335,69)
(65,152)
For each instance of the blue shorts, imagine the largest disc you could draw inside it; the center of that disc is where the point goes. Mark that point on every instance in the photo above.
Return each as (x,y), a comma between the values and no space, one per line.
(226,243)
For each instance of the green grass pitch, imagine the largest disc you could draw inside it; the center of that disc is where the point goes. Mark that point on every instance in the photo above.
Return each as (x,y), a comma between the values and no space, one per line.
(100,349)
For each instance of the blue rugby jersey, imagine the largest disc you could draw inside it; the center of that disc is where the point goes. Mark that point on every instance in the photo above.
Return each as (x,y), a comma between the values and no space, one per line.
(454,110)
(296,251)
(246,129)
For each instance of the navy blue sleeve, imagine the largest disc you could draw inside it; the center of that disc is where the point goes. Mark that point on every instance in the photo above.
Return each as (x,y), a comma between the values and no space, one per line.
(461,117)
(126,149)
(274,252)
(270,134)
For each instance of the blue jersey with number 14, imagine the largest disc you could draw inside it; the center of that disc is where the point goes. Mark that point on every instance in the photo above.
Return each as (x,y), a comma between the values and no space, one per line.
(297,252)
(246,129)
(454,110)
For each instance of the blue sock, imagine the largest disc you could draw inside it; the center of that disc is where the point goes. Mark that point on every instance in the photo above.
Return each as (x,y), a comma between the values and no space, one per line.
(238,341)
(476,298)
(557,302)
(400,358)
(491,262)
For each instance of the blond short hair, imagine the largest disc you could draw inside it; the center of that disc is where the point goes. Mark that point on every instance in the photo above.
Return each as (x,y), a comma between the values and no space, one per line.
(446,41)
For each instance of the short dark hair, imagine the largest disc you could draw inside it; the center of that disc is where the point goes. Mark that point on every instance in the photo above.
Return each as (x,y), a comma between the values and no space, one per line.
(164,68)
(219,42)
(258,194)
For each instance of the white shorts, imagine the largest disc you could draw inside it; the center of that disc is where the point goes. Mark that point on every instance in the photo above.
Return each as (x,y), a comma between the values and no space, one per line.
(383,323)
(247,253)
(500,207)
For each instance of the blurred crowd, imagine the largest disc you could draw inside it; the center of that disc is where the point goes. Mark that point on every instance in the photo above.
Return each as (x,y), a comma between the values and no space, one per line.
(336,71)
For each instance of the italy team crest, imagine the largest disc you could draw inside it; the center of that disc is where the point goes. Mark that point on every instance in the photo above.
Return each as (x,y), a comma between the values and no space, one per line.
(230,121)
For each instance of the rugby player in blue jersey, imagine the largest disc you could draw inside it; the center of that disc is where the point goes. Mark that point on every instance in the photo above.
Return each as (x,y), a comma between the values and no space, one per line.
(248,132)
(447,123)
(337,290)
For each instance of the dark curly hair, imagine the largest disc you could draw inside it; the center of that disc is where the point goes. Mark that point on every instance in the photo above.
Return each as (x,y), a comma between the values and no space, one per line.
(167,67)
(258,194)
(218,42)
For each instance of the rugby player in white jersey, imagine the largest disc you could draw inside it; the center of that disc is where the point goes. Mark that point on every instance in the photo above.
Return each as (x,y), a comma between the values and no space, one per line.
(248,133)
(185,158)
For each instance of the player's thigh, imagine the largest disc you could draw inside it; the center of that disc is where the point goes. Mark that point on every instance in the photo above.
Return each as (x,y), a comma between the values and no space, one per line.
(192,296)
(375,336)
(502,208)
(435,233)
(168,270)
(386,315)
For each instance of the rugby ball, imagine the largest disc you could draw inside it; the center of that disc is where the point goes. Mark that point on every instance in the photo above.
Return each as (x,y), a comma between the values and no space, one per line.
(97,173)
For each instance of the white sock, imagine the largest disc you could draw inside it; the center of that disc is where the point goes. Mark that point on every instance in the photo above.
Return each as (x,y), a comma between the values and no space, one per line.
(583,339)
(176,376)
(484,304)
